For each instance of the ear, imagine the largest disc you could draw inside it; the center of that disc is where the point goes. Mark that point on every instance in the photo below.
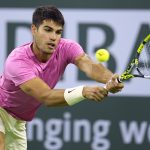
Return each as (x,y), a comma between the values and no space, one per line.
(33,28)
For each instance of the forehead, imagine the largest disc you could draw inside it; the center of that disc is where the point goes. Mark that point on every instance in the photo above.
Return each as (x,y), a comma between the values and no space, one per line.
(51,24)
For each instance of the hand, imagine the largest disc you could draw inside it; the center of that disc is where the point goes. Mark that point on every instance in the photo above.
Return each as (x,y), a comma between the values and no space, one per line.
(113,85)
(95,93)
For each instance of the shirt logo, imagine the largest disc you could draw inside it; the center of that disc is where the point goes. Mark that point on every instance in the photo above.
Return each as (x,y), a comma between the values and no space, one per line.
(71,90)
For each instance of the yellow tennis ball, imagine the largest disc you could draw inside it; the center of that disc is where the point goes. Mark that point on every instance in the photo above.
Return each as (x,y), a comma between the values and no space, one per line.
(102,55)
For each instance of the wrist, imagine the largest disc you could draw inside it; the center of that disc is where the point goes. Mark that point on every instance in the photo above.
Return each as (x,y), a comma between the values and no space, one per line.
(74,95)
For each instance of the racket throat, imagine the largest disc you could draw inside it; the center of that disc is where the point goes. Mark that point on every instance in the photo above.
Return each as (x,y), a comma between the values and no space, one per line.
(140,74)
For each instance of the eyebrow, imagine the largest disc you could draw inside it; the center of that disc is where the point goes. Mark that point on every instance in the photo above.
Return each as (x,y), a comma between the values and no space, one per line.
(47,26)
(52,28)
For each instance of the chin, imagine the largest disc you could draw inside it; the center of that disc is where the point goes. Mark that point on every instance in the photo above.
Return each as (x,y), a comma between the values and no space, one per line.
(49,52)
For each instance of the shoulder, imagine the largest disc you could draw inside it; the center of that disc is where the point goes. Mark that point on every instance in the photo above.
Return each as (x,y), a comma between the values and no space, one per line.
(69,49)
(68,43)
(19,53)
(18,57)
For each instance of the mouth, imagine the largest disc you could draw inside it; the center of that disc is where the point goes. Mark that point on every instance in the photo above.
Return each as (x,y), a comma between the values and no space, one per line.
(51,45)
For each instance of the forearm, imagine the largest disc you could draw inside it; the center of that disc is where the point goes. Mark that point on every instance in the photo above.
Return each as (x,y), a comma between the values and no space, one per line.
(53,97)
(95,71)
(99,73)
(71,96)
(75,95)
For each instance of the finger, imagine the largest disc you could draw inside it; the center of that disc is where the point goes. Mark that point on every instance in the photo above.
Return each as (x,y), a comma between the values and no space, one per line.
(100,89)
(120,86)
(95,98)
(100,95)
(114,77)
(100,98)
(103,92)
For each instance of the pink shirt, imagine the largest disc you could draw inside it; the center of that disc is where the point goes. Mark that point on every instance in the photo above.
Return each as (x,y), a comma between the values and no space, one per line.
(22,65)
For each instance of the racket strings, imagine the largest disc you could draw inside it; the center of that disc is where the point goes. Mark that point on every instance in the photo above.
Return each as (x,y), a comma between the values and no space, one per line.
(144,60)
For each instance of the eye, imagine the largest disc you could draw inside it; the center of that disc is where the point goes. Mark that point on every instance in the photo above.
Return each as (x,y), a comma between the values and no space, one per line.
(59,32)
(48,29)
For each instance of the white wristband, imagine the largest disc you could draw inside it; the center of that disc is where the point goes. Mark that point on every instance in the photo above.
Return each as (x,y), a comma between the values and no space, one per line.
(74,95)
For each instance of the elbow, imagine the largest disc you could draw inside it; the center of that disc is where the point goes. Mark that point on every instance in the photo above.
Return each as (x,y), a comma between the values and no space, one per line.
(47,101)
(45,98)
(89,74)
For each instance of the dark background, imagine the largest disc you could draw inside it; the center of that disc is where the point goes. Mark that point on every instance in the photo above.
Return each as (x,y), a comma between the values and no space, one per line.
(114,109)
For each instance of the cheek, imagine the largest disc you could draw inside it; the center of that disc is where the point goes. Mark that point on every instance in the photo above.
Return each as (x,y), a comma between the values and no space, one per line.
(58,38)
(57,41)
(41,37)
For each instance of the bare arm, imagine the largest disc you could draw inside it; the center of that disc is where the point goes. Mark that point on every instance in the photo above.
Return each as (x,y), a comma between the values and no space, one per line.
(93,70)
(98,72)
(38,89)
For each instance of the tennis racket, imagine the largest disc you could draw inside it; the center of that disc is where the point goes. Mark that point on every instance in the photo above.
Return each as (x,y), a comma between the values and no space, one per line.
(140,64)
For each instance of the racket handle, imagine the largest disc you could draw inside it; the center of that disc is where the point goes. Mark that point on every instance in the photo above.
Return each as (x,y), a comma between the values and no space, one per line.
(119,80)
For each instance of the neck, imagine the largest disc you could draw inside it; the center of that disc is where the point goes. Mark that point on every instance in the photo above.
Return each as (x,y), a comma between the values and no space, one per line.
(42,57)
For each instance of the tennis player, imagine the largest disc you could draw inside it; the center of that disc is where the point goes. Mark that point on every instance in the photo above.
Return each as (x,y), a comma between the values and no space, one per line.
(32,70)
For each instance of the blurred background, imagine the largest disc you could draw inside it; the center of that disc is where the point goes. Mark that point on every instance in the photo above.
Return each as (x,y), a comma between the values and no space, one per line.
(121,121)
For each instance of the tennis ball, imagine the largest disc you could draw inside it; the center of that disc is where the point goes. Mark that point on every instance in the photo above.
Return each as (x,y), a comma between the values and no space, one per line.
(102,55)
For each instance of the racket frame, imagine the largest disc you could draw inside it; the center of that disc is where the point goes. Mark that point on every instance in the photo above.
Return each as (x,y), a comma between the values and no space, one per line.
(134,63)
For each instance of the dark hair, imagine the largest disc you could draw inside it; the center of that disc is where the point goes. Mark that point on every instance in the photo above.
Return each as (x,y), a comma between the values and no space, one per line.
(47,13)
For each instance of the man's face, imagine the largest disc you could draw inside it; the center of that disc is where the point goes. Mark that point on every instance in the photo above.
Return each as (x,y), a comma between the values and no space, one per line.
(46,37)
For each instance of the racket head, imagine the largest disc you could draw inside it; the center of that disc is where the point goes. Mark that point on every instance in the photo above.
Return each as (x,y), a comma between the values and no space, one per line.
(143,57)
(140,63)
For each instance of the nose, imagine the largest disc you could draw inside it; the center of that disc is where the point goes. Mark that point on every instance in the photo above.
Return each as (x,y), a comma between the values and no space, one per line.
(53,36)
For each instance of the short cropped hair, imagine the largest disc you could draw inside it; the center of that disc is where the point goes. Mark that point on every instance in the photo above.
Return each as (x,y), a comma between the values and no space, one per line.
(48,12)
